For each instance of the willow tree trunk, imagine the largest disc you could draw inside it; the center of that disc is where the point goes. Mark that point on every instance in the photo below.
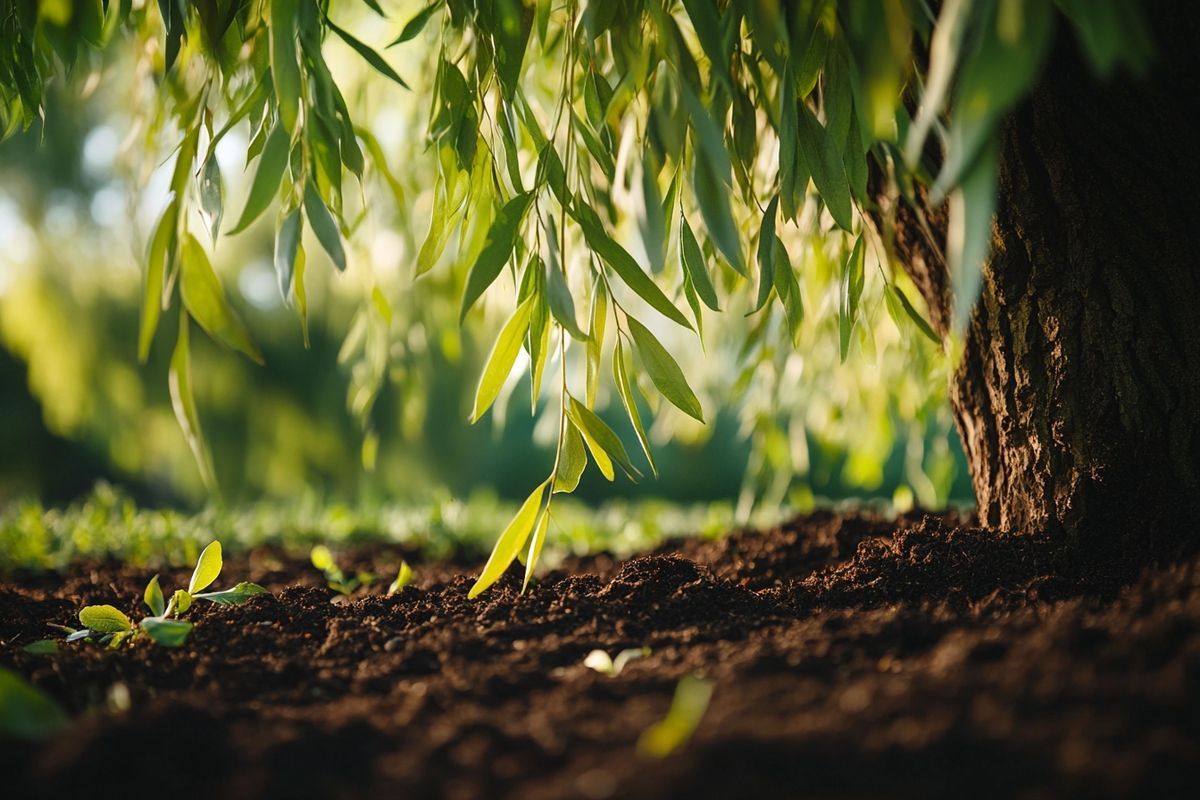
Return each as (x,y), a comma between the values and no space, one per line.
(1078,396)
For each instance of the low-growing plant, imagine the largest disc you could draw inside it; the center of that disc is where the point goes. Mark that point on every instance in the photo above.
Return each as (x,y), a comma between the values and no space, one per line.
(110,626)
(322,559)
(404,577)
(602,662)
(27,712)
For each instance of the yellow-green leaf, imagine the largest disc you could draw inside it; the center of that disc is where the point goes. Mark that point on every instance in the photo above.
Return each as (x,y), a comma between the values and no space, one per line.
(511,541)
(158,259)
(104,619)
(601,440)
(621,376)
(153,598)
(503,356)
(181,601)
(208,567)
(535,547)
(179,381)
(571,461)
(205,301)
(663,370)
(285,68)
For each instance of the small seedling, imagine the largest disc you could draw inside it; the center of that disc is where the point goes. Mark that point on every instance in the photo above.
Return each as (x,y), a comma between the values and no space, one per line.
(403,578)
(111,627)
(322,559)
(601,662)
(676,728)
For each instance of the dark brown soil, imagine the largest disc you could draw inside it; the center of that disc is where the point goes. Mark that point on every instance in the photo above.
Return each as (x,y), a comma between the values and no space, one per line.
(851,656)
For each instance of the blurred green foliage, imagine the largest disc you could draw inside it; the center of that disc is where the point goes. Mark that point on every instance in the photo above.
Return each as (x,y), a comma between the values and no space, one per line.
(377,406)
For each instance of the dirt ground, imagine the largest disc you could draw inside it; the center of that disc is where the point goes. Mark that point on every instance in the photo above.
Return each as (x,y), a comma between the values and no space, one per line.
(851,656)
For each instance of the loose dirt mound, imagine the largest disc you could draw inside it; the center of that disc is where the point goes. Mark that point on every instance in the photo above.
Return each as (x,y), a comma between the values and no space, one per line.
(851,656)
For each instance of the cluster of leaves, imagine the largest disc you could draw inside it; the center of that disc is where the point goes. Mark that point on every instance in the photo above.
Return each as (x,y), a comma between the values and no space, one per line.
(696,122)
(110,626)
(322,558)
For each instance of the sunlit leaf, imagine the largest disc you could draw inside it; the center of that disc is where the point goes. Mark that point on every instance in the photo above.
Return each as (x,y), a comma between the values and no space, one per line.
(205,301)
(571,461)
(403,578)
(899,303)
(417,24)
(536,542)
(562,306)
(497,249)
(503,356)
(851,290)
(511,541)
(265,185)
(104,619)
(368,54)
(600,437)
(181,601)
(208,567)
(625,266)
(158,260)
(664,371)
(693,264)
(239,594)
(285,68)
(625,390)
(153,598)
(179,381)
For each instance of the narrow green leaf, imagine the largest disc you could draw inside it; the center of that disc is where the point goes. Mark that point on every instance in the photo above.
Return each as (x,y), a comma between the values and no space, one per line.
(969,234)
(368,54)
(788,289)
(104,619)
(824,158)
(625,390)
(693,264)
(624,265)
(417,24)
(287,249)
(324,226)
(903,302)
(663,370)
(166,632)
(153,598)
(651,222)
(766,254)
(511,541)
(285,68)
(263,189)
(853,277)
(205,301)
(691,699)
(239,594)
(497,249)
(571,461)
(598,435)
(595,344)
(27,712)
(158,259)
(510,35)
(208,567)
(179,381)
(712,196)
(503,356)
(562,305)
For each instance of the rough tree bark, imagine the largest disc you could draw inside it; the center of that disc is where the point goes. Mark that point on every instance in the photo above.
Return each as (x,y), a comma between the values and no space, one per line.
(1078,394)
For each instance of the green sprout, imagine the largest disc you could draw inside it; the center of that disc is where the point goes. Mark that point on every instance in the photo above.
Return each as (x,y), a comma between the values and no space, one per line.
(322,559)
(675,729)
(602,662)
(403,578)
(111,627)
